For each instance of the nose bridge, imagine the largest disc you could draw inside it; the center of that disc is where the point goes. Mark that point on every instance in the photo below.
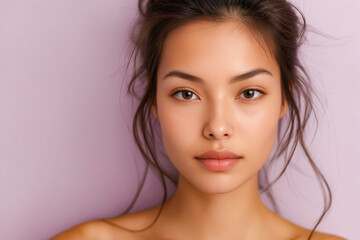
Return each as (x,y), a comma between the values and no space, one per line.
(218,124)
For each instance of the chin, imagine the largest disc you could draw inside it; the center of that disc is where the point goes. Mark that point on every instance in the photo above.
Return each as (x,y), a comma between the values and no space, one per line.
(217,184)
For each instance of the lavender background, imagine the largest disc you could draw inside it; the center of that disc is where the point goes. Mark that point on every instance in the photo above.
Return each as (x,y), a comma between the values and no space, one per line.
(66,150)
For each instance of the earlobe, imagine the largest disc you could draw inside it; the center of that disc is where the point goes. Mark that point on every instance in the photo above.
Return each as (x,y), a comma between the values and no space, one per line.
(284,108)
(154,110)
(153,106)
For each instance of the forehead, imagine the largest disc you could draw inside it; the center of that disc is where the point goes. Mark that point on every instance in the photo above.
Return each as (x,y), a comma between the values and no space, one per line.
(214,49)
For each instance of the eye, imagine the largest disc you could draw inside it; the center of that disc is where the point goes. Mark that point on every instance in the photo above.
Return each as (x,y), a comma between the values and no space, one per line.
(183,95)
(251,94)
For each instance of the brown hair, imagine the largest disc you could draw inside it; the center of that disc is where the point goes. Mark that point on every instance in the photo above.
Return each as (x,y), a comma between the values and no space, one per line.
(282,26)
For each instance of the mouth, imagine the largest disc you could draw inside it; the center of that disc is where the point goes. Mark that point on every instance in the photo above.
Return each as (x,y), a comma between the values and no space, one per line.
(218,160)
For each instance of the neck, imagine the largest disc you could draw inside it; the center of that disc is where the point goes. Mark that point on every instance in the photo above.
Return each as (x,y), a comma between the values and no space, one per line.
(240,211)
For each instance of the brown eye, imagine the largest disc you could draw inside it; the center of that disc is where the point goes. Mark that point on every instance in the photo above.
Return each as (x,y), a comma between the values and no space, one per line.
(187,94)
(184,95)
(251,94)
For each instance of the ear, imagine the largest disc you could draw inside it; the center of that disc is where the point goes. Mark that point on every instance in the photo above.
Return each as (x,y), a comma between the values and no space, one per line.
(284,108)
(285,104)
(153,107)
(154,110)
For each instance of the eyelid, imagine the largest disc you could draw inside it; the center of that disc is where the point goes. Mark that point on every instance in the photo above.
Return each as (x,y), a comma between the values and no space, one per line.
(176,91)
(182,90)
(255,89)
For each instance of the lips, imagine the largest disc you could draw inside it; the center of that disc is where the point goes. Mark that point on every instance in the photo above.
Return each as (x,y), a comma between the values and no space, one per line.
(218,160)
(218,155)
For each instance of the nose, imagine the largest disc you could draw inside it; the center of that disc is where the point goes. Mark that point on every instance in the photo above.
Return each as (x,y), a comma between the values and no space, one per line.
(219,123)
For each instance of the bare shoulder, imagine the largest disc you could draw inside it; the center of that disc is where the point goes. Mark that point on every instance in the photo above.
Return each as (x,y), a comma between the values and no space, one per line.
(92,230)
(82,231)
(326,236)
(286,229)
(305,233)
(117,228)
(137,220)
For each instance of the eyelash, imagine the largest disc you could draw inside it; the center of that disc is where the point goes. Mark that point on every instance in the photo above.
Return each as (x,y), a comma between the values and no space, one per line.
(186,90)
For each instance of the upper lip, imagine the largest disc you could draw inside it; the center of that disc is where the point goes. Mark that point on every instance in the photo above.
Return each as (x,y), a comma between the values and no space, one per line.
(212,154)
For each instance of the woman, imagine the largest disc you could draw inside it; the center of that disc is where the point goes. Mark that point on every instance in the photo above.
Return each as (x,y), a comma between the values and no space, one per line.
(220,77)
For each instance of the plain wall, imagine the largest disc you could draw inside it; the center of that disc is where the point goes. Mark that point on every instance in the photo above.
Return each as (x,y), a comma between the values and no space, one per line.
(67,154)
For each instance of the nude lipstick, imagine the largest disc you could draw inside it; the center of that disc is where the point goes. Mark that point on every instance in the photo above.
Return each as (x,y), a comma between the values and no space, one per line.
(218,160)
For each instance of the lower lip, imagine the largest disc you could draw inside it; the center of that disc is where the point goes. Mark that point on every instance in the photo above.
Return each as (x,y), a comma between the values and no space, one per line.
(218,165)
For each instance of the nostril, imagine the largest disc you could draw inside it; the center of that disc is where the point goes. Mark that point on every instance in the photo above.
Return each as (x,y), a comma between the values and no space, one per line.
(212,135)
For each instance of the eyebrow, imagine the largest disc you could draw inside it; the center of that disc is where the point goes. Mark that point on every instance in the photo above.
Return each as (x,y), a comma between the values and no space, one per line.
(234,79)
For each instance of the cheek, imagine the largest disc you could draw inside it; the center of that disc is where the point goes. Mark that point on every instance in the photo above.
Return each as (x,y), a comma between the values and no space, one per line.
(179,129)
(261,132)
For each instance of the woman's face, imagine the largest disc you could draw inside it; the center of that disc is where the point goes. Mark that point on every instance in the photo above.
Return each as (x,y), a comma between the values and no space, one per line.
(201,104)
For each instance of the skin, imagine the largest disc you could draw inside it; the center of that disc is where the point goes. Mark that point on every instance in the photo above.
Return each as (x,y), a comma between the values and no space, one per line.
(212,114)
